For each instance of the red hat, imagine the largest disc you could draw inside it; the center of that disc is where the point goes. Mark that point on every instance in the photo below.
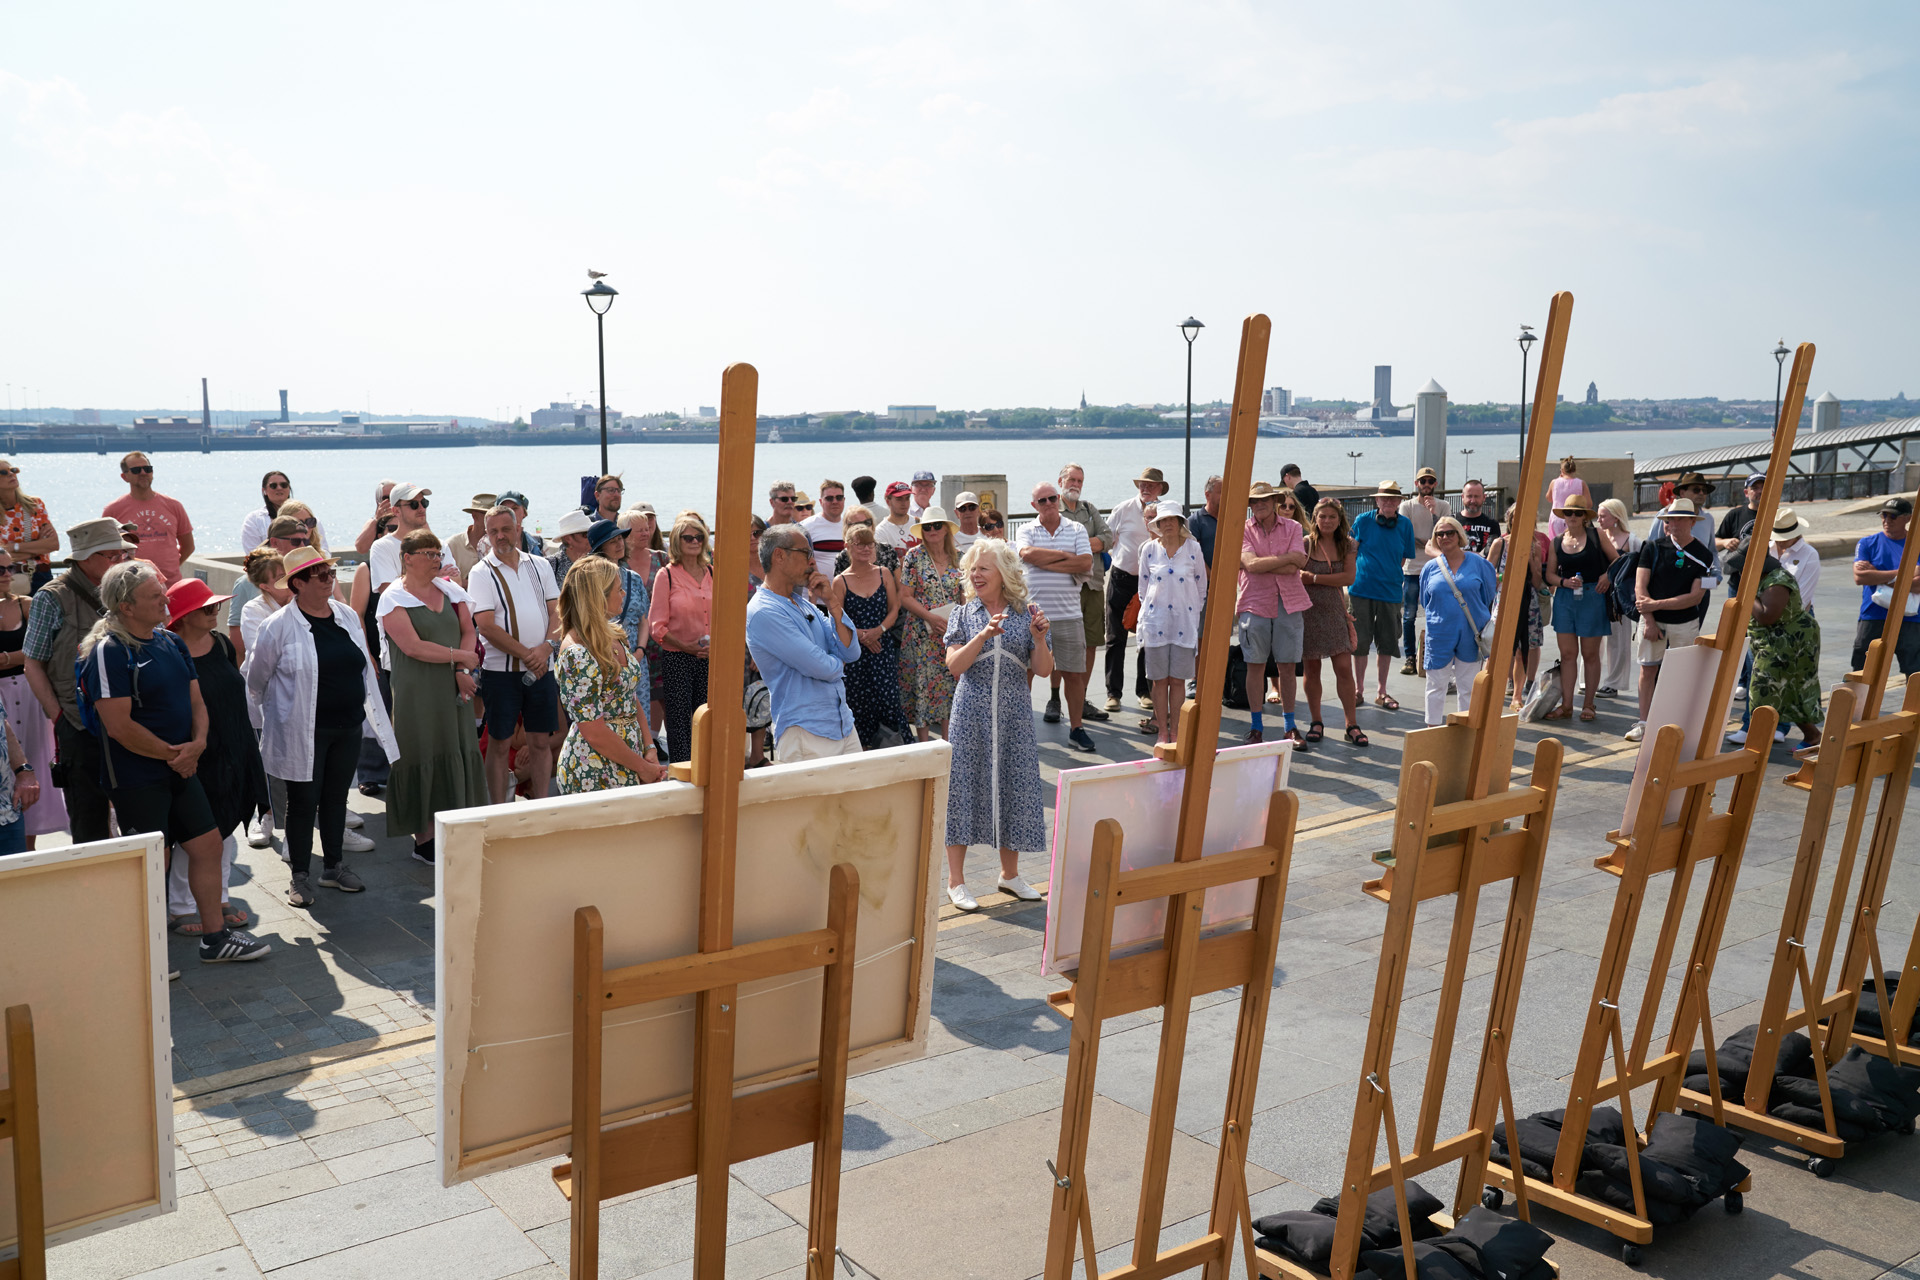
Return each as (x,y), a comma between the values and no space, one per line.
(188,594)
(898,487)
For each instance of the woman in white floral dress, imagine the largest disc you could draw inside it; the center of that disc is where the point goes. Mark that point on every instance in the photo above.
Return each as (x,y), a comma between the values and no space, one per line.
(1173,599)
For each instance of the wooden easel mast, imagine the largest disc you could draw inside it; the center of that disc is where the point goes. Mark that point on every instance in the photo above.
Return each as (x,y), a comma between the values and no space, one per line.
(20,1121)
(1185,965)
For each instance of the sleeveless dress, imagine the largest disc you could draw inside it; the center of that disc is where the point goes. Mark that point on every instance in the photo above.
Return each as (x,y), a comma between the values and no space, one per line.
(873,680)
(230,770)
(439,766)
(994,794)
(1326,633)
(35,732)
(927,682)
(1562,488)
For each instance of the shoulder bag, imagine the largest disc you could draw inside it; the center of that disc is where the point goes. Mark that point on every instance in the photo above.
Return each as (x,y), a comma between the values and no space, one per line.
(1480,639)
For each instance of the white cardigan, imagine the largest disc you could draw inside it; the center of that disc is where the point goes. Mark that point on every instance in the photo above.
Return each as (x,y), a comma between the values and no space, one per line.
(283,675)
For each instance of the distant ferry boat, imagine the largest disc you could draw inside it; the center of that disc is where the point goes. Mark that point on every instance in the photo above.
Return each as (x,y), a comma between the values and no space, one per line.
(773,436)
(1334,429)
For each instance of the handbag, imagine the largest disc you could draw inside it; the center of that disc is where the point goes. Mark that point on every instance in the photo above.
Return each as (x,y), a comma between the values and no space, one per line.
(1130,619)
(1481,640)
(758,704)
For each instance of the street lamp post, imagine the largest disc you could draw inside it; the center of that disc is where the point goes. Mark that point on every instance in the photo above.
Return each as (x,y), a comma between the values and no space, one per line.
(600,301)
(1526,341)
(1356,465)
(1189,329)
(1780,354)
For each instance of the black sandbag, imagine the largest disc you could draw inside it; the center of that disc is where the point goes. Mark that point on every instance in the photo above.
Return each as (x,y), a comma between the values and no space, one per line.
(1893,1091)
(1504,1247)
(1866,1016)
(1540,1139)
(1432,1260)
(1380,1228)
(1735,1061)
(1854,1119)
(1301,1236)
(1689,1163)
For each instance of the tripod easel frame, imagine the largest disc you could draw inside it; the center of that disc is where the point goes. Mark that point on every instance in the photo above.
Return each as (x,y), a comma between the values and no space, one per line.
(720,1127)
(1456,844)
(20,1122)
(1185,965)
(1651,846)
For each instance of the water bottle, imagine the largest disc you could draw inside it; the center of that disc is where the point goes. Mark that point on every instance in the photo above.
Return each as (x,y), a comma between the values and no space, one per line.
(1579,587)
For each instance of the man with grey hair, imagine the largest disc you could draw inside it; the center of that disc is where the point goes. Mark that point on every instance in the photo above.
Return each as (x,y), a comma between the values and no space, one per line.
(802,651)
(145,692)
(1092,584)
(780,498)
(1054,553)
(516,610)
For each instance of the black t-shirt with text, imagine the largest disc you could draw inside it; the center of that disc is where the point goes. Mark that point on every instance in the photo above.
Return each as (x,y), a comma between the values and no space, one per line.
(1481,531)
(1672,571)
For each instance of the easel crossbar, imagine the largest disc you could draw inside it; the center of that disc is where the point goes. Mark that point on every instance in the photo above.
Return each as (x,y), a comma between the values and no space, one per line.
(1139,981)
(660,1149)
(704,970)
(1146,883)
(1206,1250)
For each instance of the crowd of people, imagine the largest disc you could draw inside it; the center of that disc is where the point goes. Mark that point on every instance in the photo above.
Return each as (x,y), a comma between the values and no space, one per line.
(493,664)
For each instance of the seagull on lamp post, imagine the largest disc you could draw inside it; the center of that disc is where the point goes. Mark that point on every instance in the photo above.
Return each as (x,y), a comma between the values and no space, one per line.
(595,275)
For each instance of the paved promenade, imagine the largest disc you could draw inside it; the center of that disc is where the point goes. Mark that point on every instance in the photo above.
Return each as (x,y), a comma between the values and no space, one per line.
(305,1113)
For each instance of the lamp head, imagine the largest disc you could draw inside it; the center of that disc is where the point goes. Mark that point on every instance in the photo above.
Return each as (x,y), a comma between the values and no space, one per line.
(1780,352)
(1190,329)
(600,297)
(1527,337)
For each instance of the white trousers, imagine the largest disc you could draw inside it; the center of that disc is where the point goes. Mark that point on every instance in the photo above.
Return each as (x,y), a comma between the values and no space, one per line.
(179,897)
(798,744)
(1616,671)
(1461,672)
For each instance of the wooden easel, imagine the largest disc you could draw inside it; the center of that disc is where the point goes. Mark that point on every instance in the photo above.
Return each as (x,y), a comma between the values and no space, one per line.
(1185,965)
(719,1128)
(1456,844)
(1649,847)
(20,1121)
(1853,752)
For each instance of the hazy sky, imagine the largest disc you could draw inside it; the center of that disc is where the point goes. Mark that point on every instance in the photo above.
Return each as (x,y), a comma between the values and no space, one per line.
(970,205)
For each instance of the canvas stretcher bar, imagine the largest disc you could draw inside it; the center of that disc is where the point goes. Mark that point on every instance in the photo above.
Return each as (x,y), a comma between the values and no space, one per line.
(704,1141)
(1649,845)
(1450,838)
(1182,957)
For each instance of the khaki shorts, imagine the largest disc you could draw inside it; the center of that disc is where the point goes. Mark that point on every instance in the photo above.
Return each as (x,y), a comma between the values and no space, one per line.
(1673,635)
(798,744)
(1376,626)
(1279,638)
(1093,616)
(1069,644)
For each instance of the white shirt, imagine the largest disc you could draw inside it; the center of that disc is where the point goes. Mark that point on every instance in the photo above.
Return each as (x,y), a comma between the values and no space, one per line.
(383,561)
(888,534)
(253,615)
(253,531)
(1803,562)
(1423,521)
(531,585)
(1055,592)
(283,678)
(829,539)
(1173,594)
(1128,525)
(962,540)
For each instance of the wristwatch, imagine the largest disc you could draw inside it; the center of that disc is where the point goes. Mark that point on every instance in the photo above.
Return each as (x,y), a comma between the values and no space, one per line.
(22,768)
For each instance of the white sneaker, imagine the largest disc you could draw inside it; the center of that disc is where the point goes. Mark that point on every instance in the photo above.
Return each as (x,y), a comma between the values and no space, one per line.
(260,832)
(1018,887)
(1779,735)
(1637,732)
(1740,692)
(957,894)
(354,842)
(355,821)
(1738,737)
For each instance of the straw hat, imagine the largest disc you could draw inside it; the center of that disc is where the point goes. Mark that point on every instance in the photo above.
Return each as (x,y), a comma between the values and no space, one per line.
(1577,502)
(1679,509)
(303,558)
(1788,524)
(1389,489)
(480,503)
(1261,489)
(935,514)
(574,521)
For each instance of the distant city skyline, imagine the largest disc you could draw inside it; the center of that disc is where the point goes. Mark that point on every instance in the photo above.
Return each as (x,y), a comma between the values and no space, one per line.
(877,201)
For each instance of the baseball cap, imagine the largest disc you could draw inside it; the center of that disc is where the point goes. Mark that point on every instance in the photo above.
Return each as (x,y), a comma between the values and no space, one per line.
(1896,507)
(514,496)
(964,497)
(897,488)
(408,492)
(922,476)
(1755,480)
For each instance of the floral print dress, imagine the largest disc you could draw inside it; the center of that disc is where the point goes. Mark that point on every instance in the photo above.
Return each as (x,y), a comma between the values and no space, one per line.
(1786,657)
(994,793)
(588,693)
(927,683)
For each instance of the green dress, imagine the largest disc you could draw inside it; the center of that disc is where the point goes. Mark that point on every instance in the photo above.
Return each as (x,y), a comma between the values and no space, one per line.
(439,766)
(1786,658)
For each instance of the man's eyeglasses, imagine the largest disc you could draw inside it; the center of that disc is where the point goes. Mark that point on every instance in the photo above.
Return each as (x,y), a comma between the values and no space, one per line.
(969,506)
(322,574)
(784,499)
(1049,500)
(418,504)
(140,471)
(833,497)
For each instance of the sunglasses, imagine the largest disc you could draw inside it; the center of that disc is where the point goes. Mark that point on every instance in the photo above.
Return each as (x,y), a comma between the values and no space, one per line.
(140,471)
(278,484)
(4,471)
(804,506)
(784,499)
(314,575)
(968,506)
(693,537)
(1047,501)
(418,504)
(833,497)
(991,524)
(6,571)
(1445,533)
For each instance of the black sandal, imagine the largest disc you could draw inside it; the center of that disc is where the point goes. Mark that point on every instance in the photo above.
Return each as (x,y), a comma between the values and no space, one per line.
(1356,736)
(1316,731)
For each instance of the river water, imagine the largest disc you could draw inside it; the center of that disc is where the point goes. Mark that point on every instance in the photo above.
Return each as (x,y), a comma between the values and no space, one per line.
(219,489)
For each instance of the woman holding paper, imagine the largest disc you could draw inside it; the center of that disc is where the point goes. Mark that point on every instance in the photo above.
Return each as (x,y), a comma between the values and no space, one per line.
(930,585)
(994,642)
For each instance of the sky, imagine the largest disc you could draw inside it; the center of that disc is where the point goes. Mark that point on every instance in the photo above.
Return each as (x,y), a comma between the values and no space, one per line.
(393,207)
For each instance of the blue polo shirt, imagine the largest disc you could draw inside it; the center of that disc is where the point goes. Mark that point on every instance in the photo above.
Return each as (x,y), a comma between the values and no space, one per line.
(1383,547)
(159,676)
(1882,552)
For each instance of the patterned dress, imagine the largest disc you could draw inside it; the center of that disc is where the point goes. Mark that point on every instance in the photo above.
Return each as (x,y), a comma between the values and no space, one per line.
(926,682)
(994,791)
(873,679)
(1786,657)
(587,693)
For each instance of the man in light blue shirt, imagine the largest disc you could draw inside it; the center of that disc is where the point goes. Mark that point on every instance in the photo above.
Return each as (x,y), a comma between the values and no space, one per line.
(801,651)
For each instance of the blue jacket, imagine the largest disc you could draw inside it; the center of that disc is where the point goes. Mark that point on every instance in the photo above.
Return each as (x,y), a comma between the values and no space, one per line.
(800,656)
(1449,633)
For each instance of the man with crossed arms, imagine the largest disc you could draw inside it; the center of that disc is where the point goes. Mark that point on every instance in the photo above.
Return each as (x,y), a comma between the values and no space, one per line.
(516,609)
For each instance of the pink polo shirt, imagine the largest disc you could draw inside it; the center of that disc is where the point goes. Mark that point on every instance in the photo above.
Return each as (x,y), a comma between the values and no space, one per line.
(1263,594)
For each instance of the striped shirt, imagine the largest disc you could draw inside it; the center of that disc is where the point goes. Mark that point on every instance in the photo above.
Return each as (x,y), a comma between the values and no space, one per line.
(1057,594)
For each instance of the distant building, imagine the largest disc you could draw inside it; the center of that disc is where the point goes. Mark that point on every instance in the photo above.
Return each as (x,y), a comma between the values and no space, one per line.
(708,411)
(1276,402)
(1083,400)
(913,415)
(283,406)
(1593,393)
(87,417)
(1382,391)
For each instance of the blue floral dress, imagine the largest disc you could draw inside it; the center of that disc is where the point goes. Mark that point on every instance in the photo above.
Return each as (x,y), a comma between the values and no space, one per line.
(994,793)
(633,619)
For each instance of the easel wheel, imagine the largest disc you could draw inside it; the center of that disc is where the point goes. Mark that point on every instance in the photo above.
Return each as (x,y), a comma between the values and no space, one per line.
(1630,1254)
(1736,1202)
(1822,1166)
(1492,1197)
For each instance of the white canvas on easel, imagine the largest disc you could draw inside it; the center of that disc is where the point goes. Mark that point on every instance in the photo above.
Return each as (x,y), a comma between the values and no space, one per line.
(1144,795)
(103,1041)
(1686,682)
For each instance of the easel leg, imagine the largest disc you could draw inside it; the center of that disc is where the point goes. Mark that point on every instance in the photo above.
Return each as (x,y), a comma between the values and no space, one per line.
(23,1108)
(589,960)
(836,1016)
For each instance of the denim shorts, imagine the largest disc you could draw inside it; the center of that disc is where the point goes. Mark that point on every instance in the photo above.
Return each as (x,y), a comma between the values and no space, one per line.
(1584,615)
